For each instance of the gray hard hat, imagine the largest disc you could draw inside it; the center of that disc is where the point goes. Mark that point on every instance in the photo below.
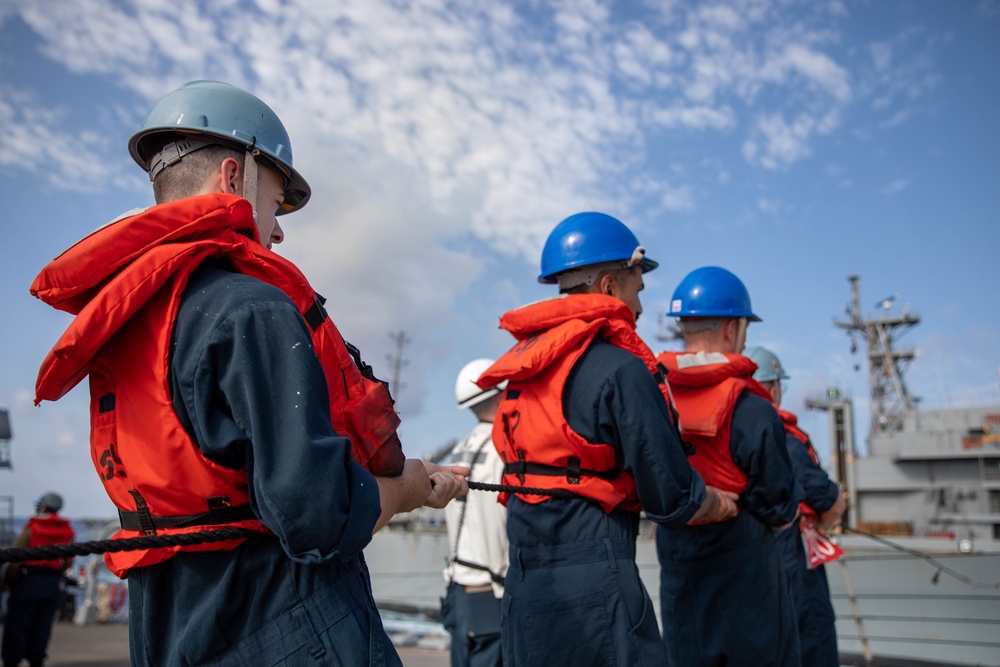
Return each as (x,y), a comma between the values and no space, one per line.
(50,501)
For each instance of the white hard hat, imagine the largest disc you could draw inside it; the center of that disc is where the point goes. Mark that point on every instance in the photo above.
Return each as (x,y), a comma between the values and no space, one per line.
(467,392)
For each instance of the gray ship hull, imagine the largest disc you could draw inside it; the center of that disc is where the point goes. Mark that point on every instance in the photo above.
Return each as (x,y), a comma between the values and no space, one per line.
(909,616)
(909,611)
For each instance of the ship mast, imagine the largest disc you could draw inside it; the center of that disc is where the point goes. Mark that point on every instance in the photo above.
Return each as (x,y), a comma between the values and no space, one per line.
(888,395)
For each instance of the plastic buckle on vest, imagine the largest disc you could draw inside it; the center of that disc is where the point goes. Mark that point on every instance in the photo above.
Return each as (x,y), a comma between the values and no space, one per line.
(520,459)
(220,510)
(142,511)
(573,470)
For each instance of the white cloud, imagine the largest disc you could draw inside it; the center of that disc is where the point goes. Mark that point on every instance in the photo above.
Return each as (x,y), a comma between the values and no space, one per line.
(897,185)
(820,69)
(881,55)
(32,139)
(767,205)
(441,136)
(783,142)
(677,198)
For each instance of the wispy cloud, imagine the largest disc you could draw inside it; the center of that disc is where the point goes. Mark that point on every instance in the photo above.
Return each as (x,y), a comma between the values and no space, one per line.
(442,136)
(896,186)
(32,139)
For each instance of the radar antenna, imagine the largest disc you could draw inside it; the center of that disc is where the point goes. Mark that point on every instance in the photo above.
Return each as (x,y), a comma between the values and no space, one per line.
(888,395)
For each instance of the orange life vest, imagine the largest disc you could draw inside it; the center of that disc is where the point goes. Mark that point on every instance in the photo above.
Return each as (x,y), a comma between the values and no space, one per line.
(706,387)
(790,422)
(819,549)
(124,283)
(530,431)
(47,531)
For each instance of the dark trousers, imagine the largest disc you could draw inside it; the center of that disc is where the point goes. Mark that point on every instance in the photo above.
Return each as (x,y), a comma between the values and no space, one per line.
(811,593)
(473,620)
(578,604)
(31,610)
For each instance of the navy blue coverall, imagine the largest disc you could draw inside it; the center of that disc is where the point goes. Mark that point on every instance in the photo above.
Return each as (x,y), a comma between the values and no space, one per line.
(31,609)
(724,597)
(251,393)
(573,595)
(810,589)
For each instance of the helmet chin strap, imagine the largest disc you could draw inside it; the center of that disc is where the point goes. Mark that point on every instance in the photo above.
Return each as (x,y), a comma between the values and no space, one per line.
(250,178)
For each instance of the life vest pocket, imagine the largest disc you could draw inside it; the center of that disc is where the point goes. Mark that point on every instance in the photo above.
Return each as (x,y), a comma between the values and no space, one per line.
(104,429)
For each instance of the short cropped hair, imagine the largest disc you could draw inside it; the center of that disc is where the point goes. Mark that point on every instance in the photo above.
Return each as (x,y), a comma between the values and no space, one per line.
(188,176)
(690,325)
(620,275)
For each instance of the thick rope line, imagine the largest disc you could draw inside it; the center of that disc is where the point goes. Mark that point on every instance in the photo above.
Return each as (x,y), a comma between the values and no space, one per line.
(123,544)
(186,539)
(511,488)
(221,534)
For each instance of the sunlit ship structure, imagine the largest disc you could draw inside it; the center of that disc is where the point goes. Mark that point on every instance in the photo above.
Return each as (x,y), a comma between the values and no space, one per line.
(919,582)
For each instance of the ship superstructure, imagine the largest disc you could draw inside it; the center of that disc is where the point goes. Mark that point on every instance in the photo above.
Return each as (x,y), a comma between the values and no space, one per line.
(928,473)
(919,583)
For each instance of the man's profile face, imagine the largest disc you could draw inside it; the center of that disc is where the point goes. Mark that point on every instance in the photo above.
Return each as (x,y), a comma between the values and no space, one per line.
(629,288)
(270,195)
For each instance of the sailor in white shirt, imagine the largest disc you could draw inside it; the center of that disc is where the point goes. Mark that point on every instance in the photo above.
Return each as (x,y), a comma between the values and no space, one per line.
(477,534)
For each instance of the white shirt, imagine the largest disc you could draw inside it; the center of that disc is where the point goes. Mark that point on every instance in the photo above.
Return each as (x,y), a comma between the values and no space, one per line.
(479,524)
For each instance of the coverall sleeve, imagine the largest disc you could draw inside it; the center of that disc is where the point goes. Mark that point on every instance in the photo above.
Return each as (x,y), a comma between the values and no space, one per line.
(820,491)
(758,448)
(254,395)
(633,416)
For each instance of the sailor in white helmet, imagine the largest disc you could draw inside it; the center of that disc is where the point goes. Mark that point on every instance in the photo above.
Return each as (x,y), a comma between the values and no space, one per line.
(477,533)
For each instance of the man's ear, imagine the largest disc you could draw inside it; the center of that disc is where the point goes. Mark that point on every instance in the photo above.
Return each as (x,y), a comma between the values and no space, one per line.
(231,177)
(607,284)
(732,329)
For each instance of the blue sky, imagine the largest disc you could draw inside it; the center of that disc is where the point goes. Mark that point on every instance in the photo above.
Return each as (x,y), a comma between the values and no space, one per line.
(794,143)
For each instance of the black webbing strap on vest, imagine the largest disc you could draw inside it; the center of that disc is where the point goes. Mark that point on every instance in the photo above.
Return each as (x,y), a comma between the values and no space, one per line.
(675,418)
(220,512)
(571,471)
(497,579)
(315,316)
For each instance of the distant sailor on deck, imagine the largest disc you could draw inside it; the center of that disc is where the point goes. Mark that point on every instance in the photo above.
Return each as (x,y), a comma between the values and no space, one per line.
(724,597)
(586,413)
(35,586)
(477,533)
(822,508)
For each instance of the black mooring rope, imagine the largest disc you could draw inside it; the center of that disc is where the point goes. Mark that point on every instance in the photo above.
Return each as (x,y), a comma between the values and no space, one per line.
(123,544)
(186,539)
(511,488)
(221,534)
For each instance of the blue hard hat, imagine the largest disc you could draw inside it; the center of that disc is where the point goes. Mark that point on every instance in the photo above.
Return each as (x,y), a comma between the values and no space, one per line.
(217,113)
(768,366)
(711,291)
(590,238)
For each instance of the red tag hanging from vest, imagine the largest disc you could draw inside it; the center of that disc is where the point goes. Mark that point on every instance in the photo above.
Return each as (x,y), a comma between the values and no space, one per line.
(819,548)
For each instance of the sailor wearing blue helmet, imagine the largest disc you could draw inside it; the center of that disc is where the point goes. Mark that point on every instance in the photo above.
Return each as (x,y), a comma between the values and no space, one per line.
(724,597)
(586,415)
